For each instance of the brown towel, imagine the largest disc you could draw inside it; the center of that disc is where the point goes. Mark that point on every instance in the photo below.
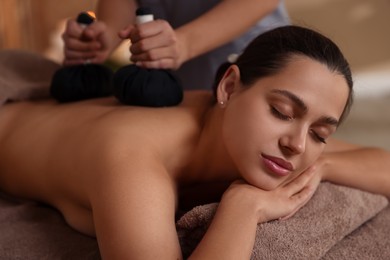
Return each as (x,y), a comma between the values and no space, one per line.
(369,242)
(24,75)
(332,213)
(32,231)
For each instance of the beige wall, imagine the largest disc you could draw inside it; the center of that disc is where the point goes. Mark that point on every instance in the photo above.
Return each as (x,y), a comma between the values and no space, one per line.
(360,27)
(27,24)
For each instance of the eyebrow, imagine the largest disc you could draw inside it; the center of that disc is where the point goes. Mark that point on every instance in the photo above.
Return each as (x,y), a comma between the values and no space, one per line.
(299,102)
(329,121)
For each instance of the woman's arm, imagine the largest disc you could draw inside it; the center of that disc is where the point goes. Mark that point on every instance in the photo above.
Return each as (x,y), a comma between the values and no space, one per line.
(157,45)
(232,232)
(363,168)
(133,203)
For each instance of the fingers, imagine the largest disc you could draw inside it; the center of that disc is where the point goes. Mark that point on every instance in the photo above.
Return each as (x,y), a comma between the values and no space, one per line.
(94,30)
(300,199)
(154,45)
(72,29)
(73,57)
(156,42)
(302,189)
(83,45)
(158,64)
(149,29)
(97,58)
(76,45)
(298,183)
(72,62)
(160,58)
(125,33)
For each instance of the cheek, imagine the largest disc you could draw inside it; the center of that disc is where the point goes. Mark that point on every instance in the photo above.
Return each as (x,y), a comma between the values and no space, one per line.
(246,134)
(311,155)
(240,136)
(235,135)
(244,126)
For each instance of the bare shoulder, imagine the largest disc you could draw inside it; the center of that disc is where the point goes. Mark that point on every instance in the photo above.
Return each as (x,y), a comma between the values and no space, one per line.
(134,199)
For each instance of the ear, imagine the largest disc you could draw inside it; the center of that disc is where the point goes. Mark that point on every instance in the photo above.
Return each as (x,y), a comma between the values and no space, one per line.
(229,84)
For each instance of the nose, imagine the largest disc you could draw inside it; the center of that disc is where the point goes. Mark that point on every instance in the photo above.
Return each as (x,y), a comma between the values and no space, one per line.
(294,142)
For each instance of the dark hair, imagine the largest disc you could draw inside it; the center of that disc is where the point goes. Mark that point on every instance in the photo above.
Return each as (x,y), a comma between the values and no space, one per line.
(271,51)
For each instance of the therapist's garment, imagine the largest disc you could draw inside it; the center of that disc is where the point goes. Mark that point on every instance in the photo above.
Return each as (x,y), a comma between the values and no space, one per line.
(199,72)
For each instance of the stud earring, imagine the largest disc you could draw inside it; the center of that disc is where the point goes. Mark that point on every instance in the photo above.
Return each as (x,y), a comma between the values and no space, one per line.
(221,103)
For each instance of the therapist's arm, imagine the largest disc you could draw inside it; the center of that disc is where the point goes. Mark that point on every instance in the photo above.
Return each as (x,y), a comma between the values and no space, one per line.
(158,45)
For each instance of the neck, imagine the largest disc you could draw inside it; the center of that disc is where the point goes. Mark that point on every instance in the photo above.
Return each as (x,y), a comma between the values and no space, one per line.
(211,161)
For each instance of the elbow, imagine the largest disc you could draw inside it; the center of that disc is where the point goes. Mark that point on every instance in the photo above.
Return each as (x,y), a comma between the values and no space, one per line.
(383,154)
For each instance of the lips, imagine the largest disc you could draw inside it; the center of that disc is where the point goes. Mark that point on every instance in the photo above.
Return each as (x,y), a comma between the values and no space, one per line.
(277,165)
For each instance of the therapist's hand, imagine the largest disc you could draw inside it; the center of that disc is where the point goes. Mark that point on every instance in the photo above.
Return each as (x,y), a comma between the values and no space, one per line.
(155,45)
(85,45)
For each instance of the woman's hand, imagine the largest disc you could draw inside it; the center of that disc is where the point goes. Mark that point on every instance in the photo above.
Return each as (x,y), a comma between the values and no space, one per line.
(154,45)
(312,184)
(280,203)
(89,45)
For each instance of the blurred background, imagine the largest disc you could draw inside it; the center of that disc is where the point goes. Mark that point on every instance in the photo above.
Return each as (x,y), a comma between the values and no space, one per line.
(362,30)
(360,27)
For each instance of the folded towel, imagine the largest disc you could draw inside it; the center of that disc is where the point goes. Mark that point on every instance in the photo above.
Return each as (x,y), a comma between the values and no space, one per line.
(332,213)
(33,231)
(369,242)
(24,75)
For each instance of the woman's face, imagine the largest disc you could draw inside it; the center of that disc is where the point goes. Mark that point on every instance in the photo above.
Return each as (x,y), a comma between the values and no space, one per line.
(278,127)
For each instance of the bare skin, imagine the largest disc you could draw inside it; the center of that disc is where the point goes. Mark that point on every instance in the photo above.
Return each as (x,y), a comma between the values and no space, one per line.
(119,172)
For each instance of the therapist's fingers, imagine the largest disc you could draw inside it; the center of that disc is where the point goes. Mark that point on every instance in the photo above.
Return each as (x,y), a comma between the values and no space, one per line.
(166,57)
(158,64)
(94,30)
(152,29)
(125,32)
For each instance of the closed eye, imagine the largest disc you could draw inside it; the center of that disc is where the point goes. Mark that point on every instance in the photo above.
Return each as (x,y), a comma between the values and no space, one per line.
(317,137)
(285,117)
(280,115)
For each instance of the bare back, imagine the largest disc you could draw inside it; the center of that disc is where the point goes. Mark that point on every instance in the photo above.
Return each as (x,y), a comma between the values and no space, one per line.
(64,148)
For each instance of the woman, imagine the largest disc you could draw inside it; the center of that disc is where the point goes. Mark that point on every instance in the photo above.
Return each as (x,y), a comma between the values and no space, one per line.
(189,37)
(120,173)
